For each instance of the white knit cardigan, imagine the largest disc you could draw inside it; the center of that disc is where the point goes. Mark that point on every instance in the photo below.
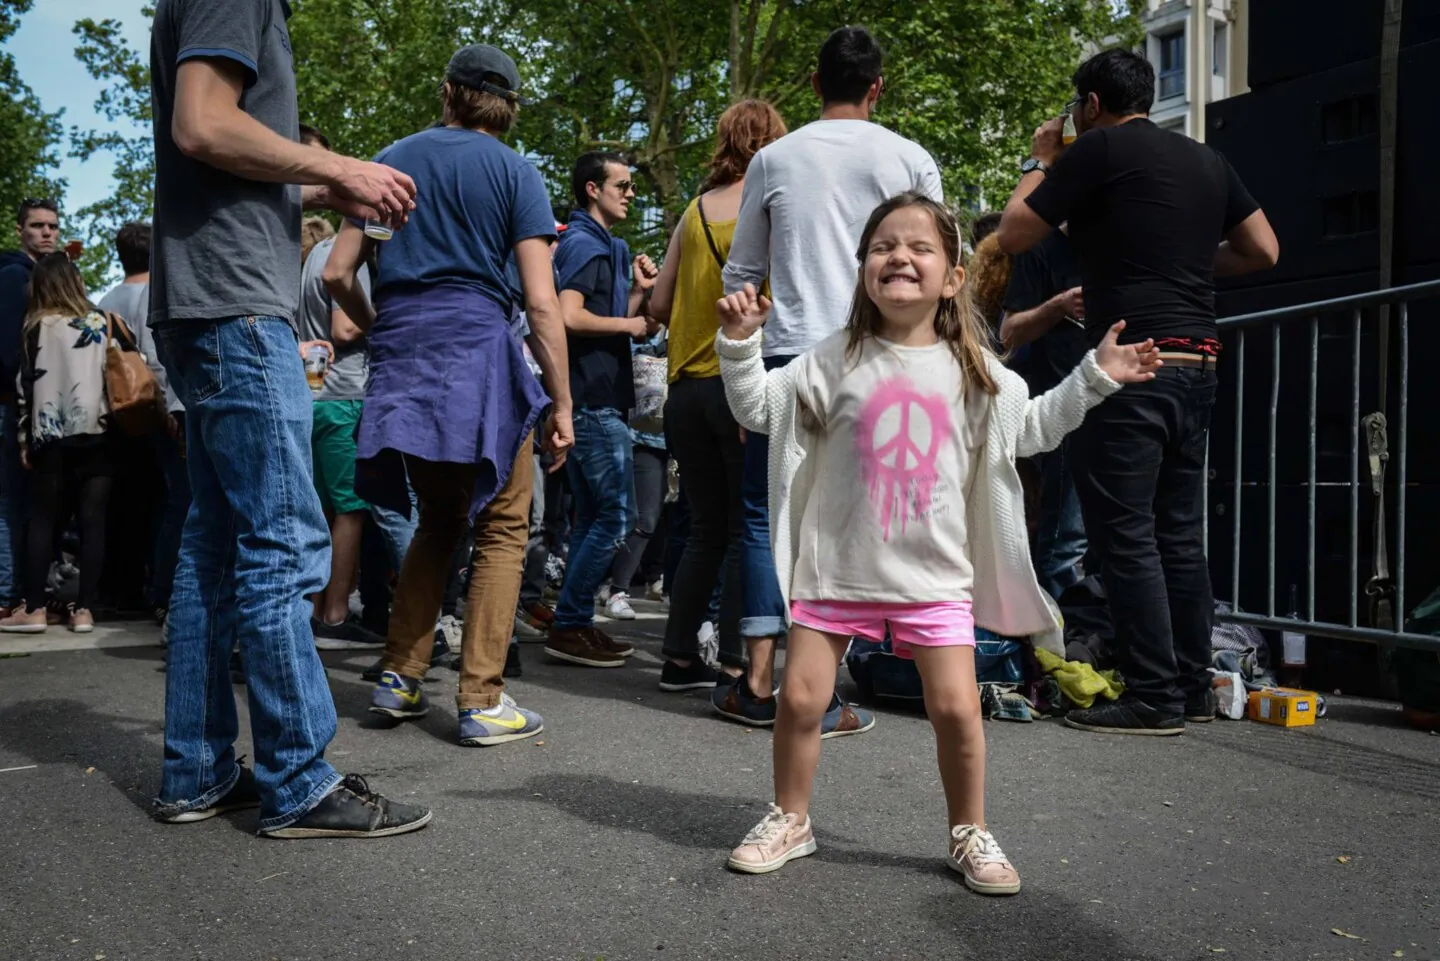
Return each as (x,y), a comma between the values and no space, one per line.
(1005,596)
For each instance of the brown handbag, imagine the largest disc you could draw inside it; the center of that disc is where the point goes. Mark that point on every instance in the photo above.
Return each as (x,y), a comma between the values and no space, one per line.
(137,405)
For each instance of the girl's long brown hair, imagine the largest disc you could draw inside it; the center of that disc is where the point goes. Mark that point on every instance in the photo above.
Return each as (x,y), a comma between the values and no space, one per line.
(743,129)
(56,287)
(957,322)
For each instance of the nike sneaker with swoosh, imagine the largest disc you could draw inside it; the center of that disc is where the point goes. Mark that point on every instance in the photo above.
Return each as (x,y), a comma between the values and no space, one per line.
(398,696)
(507,722)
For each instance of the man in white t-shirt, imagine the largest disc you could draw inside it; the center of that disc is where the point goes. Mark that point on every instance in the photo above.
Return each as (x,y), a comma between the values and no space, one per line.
(806,199)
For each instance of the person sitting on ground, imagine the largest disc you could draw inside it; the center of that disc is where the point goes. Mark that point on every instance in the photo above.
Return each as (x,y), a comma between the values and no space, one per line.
(64,434)
(898,483)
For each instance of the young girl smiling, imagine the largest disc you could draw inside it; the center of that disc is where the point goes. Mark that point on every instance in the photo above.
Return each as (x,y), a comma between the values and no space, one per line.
(896,504)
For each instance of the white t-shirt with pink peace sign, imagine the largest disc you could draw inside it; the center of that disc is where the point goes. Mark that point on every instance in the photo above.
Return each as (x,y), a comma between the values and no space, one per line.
(885,520)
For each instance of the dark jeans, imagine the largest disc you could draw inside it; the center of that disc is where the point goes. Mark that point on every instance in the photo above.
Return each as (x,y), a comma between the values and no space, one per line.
(764,613)
(1060,531)
(703,436)
(601,468)
(171,453)
(649,499)
(1139,462)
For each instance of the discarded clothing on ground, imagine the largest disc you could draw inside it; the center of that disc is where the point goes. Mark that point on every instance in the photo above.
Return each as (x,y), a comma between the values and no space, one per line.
(1080,683)
(1004,702)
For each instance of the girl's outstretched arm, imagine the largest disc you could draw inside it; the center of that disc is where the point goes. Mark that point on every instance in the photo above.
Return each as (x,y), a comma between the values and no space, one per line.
(742,315)
(749,387)
(1052,415)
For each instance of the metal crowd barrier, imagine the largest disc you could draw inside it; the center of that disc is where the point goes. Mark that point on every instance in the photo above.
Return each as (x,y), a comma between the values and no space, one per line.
(1392,313)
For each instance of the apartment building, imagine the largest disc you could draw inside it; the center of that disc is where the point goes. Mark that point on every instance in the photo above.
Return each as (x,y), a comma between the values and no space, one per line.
(1199,51)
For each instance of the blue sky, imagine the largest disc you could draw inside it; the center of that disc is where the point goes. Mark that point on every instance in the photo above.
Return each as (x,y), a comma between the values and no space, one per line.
(44,51)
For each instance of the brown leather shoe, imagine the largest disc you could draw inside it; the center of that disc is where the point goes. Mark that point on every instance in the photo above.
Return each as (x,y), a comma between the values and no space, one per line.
(575,646)
(605,642)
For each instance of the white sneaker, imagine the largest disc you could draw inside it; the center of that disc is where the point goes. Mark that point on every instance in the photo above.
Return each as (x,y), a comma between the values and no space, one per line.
(657,592)
(450,626)
(618,607)
(602,596)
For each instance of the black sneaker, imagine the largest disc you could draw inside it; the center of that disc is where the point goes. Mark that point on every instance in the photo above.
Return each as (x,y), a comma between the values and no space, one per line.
(1200,708)
(348,635)
(242,794)
(352,810)
(698,676)
(1126,716)
(512,660)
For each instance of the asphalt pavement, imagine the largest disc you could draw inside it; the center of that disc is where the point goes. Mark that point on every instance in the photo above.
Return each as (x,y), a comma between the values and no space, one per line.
(605,837)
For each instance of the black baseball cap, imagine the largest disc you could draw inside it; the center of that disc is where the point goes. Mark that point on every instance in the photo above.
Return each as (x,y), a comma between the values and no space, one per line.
(478,65)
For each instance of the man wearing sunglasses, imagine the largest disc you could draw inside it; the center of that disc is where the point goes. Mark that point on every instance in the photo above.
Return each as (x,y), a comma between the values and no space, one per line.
(602,296)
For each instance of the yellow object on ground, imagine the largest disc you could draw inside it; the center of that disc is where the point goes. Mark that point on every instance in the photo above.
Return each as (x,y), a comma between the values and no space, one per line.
(1283,707)
(1078,681)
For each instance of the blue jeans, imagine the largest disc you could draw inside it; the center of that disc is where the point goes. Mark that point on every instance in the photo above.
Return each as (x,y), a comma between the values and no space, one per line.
(13,489)
(763,611)
(255,546)
(1060,534)
(602,481)
(171,453)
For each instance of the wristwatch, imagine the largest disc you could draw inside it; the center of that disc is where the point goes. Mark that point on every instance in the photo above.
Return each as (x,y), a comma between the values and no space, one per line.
(1033,164)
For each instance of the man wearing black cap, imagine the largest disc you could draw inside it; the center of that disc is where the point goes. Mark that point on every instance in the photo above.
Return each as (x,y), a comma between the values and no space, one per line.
(451,403)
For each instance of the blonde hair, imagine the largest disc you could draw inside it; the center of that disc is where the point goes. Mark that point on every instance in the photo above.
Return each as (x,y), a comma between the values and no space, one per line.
(957,322)
(56,287)
(312,231)
(990,276)
(476,109)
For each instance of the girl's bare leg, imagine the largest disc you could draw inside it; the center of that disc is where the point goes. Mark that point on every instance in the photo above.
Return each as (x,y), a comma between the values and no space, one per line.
(811,660)
(952,700)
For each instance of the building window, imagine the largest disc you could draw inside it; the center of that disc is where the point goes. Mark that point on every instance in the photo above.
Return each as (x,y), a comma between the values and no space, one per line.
(1172,65)
(1217,66)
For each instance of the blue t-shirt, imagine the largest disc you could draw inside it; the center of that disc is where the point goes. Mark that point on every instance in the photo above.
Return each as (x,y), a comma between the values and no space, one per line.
(475,199)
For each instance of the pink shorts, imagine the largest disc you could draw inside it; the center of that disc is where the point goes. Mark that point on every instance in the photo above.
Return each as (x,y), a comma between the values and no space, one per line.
(931,624)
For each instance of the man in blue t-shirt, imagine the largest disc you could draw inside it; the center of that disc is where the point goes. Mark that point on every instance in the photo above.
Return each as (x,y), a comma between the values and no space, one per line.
(602,296)
(450,403)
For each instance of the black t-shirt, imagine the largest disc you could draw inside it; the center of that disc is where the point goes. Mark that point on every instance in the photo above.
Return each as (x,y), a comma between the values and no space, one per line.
(600,370)
(1047,269)
(1147,209)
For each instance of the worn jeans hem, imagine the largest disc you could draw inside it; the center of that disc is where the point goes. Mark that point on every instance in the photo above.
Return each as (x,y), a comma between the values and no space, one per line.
(321,792)
(766,626)
(166,809)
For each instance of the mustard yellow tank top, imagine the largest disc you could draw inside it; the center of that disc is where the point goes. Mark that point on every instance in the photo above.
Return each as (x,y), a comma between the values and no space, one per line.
(697,286)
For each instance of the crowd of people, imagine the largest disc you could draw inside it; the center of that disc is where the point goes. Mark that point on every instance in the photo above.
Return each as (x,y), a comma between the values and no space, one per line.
(850,434)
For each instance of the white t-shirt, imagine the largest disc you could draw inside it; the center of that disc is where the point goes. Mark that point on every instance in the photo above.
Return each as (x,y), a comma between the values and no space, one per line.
(885,520)
(804,205)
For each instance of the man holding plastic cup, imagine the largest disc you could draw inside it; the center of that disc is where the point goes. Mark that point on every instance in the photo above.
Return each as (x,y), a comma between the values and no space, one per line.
(224,289)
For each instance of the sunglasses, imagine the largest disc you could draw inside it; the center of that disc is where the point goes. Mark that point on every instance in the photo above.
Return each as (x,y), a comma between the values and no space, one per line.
(624,186)
(1073,102)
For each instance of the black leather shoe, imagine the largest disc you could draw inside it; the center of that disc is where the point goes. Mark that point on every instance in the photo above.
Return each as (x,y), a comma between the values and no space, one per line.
(352,810)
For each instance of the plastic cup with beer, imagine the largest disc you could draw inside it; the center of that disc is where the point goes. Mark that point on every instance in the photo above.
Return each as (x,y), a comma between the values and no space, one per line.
(376,230)
(1068,134)
(317,364)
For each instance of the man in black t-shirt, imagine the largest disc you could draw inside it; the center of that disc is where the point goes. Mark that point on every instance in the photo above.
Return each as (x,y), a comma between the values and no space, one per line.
(1155,217)
(1045,319)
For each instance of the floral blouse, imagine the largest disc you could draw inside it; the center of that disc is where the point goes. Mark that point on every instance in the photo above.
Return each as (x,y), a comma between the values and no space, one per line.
(62,380)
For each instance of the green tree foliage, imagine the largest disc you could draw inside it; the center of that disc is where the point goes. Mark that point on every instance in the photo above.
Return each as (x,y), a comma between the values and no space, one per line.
(968,79)
(125,96)
(29,147)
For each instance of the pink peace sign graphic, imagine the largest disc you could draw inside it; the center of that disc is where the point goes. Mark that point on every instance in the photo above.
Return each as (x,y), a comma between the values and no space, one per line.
(898,438)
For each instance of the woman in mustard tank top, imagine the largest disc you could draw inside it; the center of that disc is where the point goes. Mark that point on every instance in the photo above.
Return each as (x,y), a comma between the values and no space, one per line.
(700,433)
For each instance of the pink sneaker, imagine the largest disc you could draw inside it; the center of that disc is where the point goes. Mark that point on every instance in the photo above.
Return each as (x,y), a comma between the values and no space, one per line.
(974,853)
(770,844)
